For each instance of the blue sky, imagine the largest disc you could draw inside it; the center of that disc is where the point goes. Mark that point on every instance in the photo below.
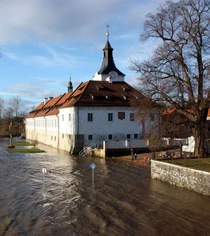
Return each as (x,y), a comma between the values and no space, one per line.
(44,42)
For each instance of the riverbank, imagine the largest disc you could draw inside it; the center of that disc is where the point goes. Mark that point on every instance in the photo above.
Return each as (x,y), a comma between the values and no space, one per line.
(142,158)
(202,164)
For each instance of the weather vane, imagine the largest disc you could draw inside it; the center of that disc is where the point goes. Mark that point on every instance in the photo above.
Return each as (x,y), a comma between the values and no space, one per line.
(107,31)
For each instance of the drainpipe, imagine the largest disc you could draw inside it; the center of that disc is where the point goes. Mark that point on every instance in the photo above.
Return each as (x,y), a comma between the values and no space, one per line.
(34,129)
(58,142)
(75,129)
(45,129)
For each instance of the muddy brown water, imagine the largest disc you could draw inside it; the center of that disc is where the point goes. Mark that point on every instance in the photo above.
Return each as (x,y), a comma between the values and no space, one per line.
(122,199)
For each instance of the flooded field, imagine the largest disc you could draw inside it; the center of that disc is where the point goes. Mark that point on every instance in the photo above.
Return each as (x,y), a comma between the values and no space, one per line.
(122,199)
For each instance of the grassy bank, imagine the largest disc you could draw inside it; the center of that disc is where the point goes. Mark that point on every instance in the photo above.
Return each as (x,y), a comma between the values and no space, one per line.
(198,163)
(22,144)
(22,149)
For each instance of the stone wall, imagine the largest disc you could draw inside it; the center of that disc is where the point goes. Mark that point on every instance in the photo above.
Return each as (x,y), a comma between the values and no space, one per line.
(198,181)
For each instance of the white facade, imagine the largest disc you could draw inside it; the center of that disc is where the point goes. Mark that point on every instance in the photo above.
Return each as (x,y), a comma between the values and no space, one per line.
(106,125)
(91,124)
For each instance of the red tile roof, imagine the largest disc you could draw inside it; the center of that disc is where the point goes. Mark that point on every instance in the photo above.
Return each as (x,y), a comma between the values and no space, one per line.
(51,107)
(90,94)
(102,93)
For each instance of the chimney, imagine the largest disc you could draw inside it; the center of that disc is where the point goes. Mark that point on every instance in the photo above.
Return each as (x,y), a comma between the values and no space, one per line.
(45,100)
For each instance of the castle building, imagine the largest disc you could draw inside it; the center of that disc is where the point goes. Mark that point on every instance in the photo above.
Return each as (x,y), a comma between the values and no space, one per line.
(97,110)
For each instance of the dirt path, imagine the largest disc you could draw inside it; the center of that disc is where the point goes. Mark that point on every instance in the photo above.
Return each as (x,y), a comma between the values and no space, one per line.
(141,158)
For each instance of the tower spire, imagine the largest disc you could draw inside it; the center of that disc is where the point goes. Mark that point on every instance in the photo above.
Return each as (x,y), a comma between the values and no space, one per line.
(108,64)
(108,71)
(70,86)
(107,32)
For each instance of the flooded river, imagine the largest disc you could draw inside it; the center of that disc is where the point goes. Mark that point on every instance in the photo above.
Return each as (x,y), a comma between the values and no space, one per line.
(122,199)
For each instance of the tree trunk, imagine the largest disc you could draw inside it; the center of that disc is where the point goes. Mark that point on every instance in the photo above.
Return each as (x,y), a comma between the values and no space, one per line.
(10,140)
(199,136)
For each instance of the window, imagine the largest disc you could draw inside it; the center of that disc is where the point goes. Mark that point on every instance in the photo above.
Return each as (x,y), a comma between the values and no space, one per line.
(110,136)
(69,117)
(110,116)
(128,136)
(135,136)
(90,116)
(90,137)
(62,135)
(121,115)
(62,117)
(131,116)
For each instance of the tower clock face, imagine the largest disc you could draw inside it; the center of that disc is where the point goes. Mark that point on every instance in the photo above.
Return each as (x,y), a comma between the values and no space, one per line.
(113,74)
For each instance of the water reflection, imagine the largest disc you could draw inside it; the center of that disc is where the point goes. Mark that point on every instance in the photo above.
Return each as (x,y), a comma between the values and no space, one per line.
(122,200)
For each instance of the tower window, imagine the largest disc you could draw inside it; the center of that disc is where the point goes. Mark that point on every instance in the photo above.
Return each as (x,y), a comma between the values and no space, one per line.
(90,137)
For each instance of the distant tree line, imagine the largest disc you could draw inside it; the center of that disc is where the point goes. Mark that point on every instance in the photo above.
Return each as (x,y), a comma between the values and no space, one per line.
(11,116)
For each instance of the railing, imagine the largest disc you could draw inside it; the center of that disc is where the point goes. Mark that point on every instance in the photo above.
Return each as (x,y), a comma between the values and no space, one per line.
(87,149)
(127,144)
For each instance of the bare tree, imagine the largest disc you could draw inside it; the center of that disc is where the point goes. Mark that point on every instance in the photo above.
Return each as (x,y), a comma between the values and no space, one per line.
(8,113)
(1,106)
(178,74)
(16,102)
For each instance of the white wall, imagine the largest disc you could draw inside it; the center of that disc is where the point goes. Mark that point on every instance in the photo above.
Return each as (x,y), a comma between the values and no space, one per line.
(100,128)
(59,131)
(67,120)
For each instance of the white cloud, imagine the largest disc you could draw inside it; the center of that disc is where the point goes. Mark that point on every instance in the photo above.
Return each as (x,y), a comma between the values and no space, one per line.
(51,57)
(11,55)
(71,34)
(47,20)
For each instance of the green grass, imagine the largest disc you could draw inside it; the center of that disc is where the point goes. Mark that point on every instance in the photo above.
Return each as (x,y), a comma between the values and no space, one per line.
(22,144)
(24,150)
(198,163)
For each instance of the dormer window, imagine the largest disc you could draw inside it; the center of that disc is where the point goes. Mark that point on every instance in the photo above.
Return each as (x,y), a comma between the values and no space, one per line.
(100,87)
(126,88)
(125,97)
(94,96)
(76,97)
(135,96)
(81,87)
(109,97)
